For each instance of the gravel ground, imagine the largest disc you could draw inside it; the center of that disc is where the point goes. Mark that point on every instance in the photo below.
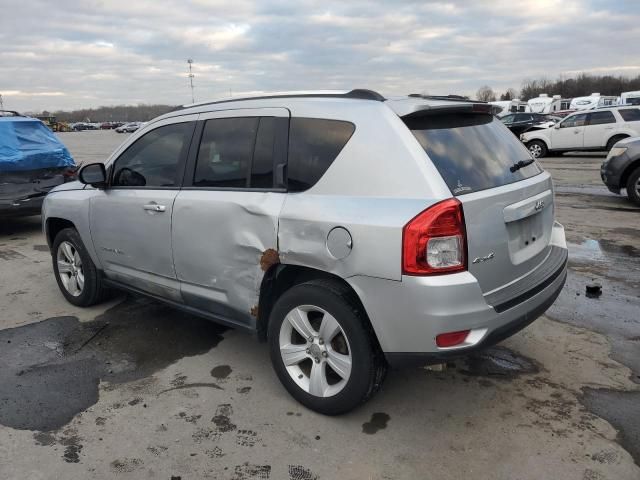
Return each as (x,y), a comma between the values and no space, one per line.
(133,389)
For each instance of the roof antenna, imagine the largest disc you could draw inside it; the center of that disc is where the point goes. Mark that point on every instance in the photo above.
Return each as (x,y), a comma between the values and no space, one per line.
(191,75)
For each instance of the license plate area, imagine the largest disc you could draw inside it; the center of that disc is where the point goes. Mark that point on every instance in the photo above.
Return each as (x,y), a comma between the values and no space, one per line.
(528,236)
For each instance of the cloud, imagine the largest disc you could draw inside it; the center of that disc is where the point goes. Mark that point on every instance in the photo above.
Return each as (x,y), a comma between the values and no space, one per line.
(81,53)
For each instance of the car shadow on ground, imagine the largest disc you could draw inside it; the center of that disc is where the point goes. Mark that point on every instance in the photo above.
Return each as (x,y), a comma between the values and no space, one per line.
(12,227)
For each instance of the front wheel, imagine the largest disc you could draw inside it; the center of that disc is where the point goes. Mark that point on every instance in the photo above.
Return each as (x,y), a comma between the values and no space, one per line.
(633,186)
(322,347)
(537,148)
(77,276)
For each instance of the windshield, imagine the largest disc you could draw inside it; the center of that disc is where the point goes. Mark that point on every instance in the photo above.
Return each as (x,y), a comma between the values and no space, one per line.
(472,152)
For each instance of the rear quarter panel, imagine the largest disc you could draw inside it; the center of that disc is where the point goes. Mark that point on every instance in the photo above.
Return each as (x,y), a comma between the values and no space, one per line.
(380,180)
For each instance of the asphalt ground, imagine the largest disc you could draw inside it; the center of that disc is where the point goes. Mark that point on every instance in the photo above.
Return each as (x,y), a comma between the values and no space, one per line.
(134,389)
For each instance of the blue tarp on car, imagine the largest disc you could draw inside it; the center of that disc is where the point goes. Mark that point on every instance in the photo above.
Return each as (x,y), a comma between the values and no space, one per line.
(27,144)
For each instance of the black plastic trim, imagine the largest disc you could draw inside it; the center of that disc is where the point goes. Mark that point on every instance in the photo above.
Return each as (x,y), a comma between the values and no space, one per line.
(532,284)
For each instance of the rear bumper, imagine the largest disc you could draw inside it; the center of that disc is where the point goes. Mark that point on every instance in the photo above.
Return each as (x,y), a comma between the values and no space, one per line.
(408,315)
(21,206)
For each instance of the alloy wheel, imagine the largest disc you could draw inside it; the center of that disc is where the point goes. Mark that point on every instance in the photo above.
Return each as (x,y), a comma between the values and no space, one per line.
(70,268)
(315,351)
(535,150)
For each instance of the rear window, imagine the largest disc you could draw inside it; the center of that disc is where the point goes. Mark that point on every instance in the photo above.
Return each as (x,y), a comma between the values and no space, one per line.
(472,152)
(600,118)
(314,144)
(630,114)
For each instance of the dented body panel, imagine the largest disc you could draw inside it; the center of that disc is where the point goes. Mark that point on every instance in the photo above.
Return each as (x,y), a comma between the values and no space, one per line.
(222,243)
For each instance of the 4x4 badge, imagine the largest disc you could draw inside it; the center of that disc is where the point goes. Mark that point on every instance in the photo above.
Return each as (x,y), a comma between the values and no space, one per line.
(539,205)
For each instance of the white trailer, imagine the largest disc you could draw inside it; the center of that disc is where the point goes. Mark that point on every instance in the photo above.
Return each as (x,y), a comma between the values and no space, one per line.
(630,98)
(595,100)
(510,106)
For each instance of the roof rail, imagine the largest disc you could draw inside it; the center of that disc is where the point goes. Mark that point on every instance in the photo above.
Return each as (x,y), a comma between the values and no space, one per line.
(458,98)
(358,93)
(12,113)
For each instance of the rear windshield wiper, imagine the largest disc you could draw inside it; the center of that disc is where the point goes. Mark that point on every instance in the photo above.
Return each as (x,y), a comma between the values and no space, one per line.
(521,164)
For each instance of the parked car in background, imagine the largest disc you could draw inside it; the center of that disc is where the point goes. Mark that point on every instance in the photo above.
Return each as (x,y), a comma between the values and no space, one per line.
(596,130)
(621,168)
(246,212)
(521,122)
(129,127)
(32,162)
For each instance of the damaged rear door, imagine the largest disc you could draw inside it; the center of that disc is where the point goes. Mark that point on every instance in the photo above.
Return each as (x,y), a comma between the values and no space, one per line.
(225,218)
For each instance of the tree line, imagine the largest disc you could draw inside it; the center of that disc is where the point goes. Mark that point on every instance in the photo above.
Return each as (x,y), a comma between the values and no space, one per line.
(567,87)
(122,113)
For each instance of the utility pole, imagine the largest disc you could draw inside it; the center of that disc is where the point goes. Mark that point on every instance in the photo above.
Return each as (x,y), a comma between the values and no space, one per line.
(191,75)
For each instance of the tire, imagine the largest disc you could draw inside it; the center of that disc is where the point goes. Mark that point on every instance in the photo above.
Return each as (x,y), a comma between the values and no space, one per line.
(633,186)
(537,148)
(69,252)
(313,306)
(613,140)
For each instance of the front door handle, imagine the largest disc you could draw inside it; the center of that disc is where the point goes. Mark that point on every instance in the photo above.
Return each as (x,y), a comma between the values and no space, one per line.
(154,207)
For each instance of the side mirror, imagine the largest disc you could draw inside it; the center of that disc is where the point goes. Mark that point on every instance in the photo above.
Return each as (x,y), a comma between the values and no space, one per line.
(557,125)
(93,174)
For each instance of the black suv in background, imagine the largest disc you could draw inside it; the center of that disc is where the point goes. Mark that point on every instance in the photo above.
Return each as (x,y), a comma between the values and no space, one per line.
(521,122)
(621,169)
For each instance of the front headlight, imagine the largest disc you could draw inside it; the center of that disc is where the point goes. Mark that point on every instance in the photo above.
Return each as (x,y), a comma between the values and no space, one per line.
(615,152)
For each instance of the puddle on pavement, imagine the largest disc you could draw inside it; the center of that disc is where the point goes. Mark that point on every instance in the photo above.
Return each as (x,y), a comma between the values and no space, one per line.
(51,369)
(498,362)
(378,422)
(601,250)
(620,409)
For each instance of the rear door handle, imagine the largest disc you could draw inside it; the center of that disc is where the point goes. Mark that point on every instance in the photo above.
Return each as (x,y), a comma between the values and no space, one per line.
(154,207)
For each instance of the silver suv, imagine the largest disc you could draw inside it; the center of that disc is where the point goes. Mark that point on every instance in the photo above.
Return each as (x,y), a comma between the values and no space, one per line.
(349,231)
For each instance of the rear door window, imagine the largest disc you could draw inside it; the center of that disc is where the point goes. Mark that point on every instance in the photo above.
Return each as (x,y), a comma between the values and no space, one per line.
(225,152)
(313,146)
(472,152)
(599,118)
(630,114)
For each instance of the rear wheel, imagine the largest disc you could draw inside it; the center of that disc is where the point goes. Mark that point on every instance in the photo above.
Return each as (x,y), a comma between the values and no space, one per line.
(613,140)
(77,276)
(537,148)
(633,186)
(322,347)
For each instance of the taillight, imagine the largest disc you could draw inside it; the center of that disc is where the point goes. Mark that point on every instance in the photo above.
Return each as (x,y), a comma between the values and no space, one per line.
(434,241)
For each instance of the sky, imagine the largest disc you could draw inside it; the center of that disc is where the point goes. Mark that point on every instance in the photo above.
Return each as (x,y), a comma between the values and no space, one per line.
(77,54)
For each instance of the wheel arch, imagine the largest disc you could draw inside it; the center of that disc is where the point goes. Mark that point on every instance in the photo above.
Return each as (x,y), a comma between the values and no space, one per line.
(540,139)
(619,136)
(629,169)
(53,226)
(281,277)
